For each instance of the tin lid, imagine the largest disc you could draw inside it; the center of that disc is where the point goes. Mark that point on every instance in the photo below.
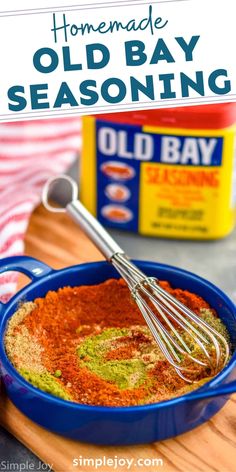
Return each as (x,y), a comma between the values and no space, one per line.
(189,117)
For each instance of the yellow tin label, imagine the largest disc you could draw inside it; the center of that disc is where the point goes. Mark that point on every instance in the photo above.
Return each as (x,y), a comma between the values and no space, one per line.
(163,182)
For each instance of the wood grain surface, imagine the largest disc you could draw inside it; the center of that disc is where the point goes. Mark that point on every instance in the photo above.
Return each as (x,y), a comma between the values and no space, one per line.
(209,448)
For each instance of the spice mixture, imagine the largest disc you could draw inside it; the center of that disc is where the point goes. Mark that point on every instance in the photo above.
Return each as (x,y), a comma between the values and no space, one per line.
(90,345)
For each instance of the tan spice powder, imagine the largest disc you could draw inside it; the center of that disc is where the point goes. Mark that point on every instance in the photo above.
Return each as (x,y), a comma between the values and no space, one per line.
(93,345)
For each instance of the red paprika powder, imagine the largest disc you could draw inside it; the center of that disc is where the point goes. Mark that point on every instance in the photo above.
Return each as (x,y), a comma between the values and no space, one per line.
(93,346)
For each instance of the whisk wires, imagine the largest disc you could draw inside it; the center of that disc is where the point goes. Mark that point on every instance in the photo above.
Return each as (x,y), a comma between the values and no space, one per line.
(184,338)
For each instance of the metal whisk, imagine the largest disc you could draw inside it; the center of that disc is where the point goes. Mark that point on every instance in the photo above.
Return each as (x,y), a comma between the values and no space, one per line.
(173,326)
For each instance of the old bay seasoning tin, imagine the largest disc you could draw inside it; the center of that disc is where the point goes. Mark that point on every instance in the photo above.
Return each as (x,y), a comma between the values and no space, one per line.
(167,173)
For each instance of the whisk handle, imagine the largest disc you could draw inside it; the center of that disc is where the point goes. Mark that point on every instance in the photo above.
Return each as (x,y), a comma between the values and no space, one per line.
(94,230)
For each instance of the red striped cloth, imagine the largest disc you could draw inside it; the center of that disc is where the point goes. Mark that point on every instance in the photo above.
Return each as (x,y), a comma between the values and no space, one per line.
(30,152)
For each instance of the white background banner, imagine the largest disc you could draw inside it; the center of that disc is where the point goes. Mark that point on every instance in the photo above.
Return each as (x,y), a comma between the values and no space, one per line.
(97,57)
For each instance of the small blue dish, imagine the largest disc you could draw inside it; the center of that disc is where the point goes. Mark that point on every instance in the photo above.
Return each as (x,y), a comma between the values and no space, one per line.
(109,425)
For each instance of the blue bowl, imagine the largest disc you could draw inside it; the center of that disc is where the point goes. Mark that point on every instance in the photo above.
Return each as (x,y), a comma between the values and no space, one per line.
(110,425)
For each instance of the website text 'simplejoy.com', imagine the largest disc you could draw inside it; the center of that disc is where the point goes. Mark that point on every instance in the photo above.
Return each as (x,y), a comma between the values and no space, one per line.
(116,463)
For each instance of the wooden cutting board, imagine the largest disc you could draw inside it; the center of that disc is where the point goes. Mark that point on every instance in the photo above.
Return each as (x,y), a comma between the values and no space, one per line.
(210,448)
